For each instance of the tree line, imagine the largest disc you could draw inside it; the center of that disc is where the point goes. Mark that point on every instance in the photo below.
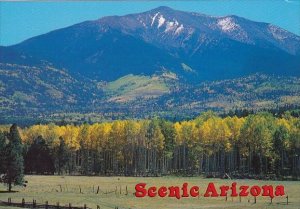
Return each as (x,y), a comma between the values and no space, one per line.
(258,145)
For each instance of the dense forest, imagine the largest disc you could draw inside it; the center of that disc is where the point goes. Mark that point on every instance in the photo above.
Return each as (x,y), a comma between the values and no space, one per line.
(260,145)
(31,95)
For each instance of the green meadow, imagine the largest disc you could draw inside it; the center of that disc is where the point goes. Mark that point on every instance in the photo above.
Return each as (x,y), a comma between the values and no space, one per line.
(80,190)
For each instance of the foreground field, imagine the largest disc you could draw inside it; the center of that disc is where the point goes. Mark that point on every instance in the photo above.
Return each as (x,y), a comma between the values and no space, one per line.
(82,190)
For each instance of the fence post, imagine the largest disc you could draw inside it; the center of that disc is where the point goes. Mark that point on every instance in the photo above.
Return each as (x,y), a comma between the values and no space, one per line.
(70,206)
(84,207)
(23,202)
(126,190)
(33,203)
(57,205)
(98,207)
(46,205)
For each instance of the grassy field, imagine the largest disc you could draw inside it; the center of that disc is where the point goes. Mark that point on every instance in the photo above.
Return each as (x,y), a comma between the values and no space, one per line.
(67,189)
(131,86)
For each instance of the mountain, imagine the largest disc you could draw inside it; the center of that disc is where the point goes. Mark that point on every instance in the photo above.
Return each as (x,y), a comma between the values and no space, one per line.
(28,90)
(194,46)
(9,55)
(162,62)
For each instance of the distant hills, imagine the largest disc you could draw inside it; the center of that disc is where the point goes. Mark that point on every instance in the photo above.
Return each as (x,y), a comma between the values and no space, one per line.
(150,60)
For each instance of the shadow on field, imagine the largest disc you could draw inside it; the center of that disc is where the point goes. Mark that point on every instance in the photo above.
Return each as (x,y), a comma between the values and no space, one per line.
(283,203)
(8,192)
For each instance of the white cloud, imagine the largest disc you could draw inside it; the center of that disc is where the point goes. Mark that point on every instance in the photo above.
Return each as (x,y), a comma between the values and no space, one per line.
(292,2)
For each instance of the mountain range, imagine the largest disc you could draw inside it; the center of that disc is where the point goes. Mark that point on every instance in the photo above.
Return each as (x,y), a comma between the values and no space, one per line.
(142,57)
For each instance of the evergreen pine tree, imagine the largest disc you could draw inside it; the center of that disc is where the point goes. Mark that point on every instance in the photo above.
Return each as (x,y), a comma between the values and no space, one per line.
(38,159)
(62,155)
(2,153)
(14,161)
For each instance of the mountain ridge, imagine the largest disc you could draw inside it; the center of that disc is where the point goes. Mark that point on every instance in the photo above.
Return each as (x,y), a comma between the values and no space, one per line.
(114,46)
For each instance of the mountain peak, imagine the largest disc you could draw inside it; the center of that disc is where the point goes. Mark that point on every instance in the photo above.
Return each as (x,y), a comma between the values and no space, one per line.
(163,8)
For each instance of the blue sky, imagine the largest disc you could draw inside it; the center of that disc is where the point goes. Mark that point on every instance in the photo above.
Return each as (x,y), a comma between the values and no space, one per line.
(22,20)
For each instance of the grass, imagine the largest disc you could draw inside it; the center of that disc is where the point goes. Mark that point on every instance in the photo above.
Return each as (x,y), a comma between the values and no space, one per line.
(132,86)
(47,188)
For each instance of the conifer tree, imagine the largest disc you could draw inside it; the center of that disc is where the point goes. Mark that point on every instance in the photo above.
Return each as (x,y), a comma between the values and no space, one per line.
(13,160)
(2,152)
(62,155)
(38,158)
